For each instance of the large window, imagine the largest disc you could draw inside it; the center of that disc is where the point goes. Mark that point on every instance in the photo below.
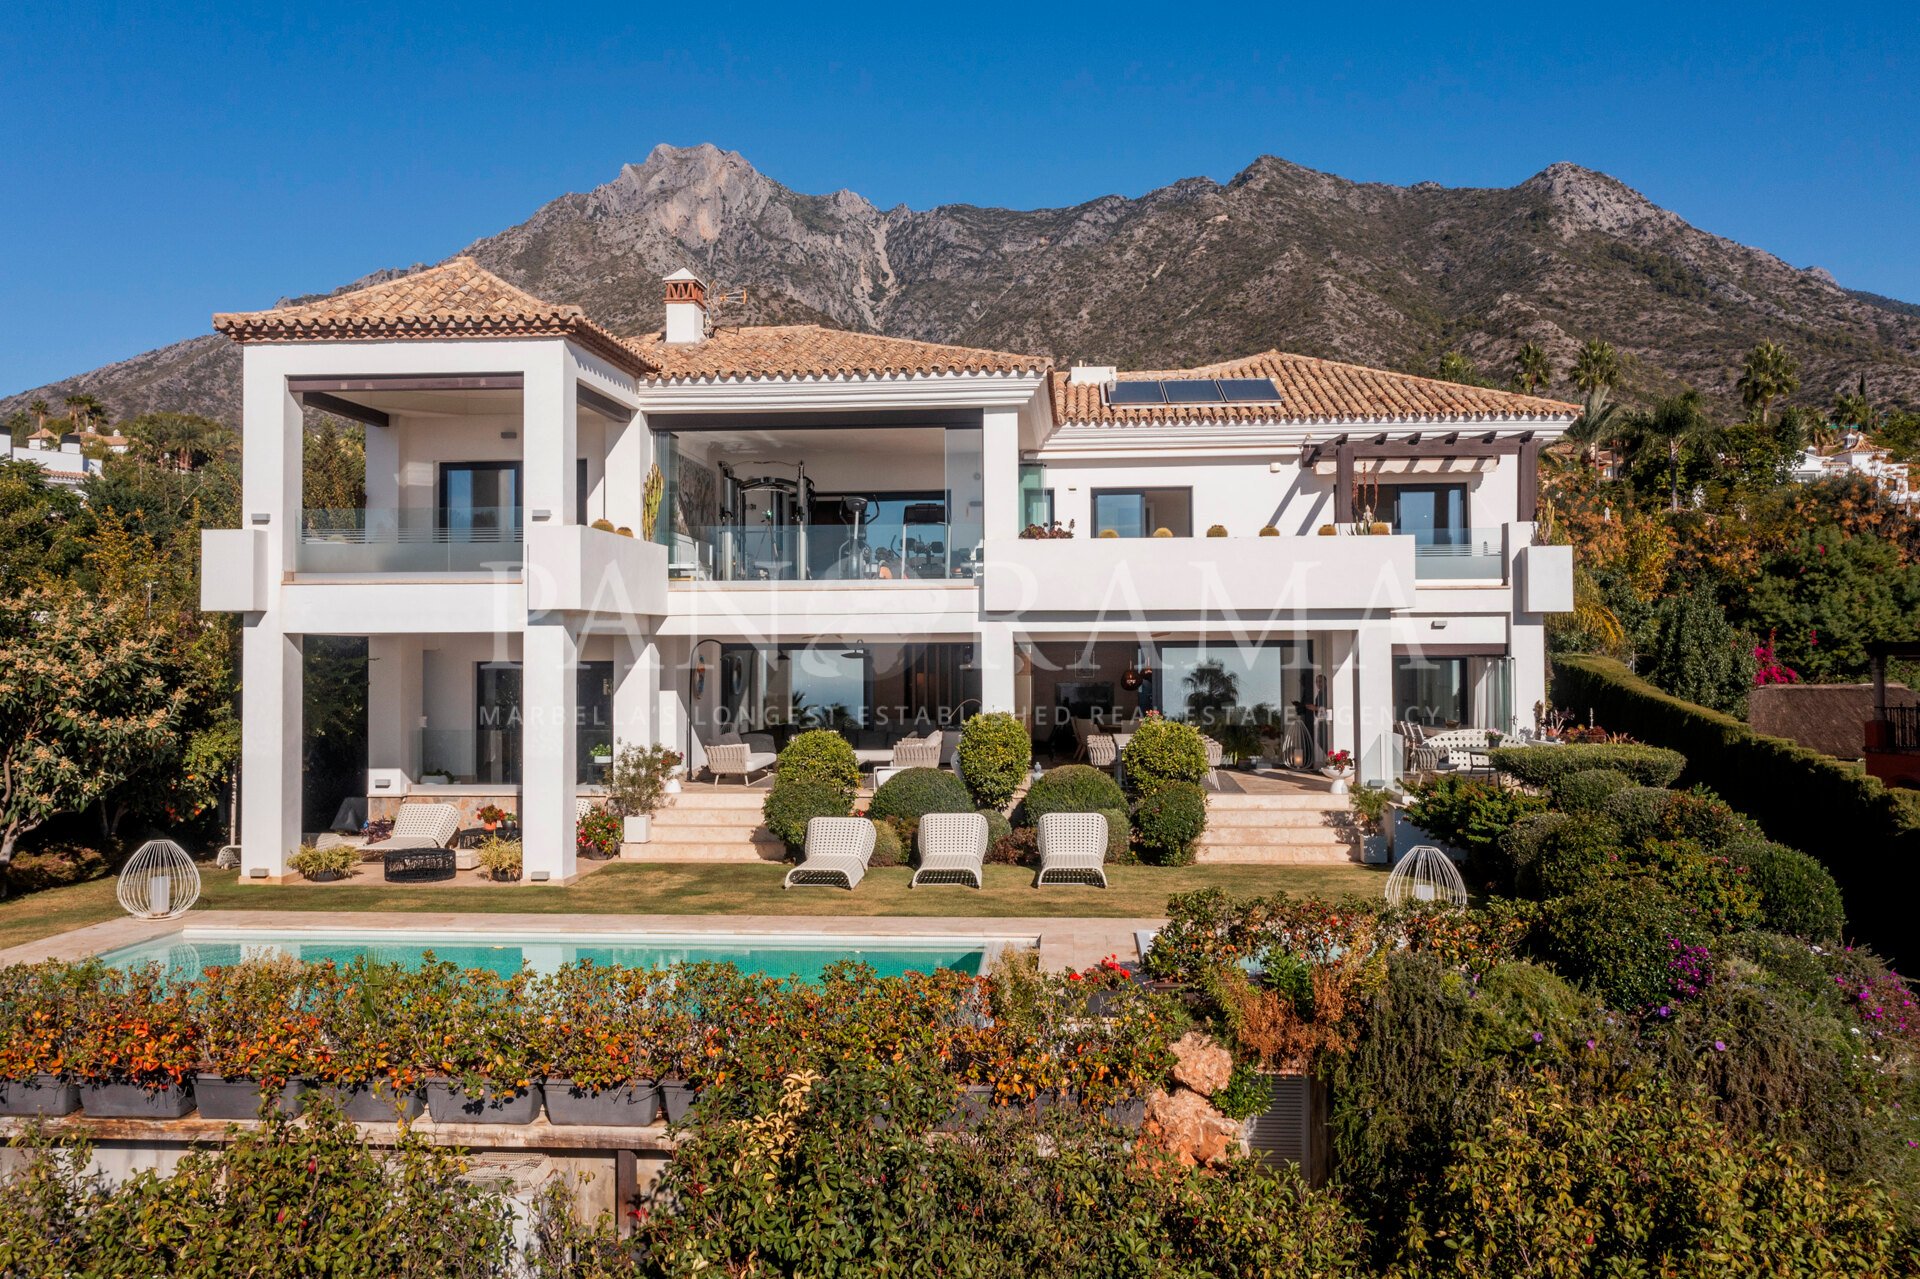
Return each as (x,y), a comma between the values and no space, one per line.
(479,501)
(1432,691)
(497,720)
(1036,499)
(1435,514)
(1142,512)
(1228,683)
(854,535)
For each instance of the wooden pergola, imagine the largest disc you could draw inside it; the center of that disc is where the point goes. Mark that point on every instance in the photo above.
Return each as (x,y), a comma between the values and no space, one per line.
(1349,449)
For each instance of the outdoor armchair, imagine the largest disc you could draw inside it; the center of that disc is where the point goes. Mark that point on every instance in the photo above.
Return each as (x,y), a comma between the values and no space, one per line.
(838,850)
(731,756)
(953,846)
(1073,846)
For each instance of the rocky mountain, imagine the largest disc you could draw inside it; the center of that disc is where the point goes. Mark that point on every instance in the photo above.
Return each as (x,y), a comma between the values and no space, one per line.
(1280,256)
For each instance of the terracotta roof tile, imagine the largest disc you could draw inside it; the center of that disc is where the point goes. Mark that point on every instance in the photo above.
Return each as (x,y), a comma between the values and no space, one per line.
(810,350)
(457,299)
(1311,390)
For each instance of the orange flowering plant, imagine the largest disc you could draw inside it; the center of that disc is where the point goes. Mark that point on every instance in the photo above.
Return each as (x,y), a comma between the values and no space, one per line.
(134,1028)
(374,1022)
(260,1020)
(40,1007)
(595,1026)
(480,1027)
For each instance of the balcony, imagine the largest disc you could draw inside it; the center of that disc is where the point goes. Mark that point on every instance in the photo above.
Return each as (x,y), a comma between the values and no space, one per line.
(477,540)
(1115,577)
(1460,554)
(831,553)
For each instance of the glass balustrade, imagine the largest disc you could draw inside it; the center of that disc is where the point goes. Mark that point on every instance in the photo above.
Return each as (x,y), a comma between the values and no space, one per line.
(1460,554)
(468,539)
(826,553)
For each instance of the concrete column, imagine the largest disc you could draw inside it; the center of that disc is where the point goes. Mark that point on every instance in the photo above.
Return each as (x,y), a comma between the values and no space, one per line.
(1373,704)
(1000,473)
(1526,638)
(629,456)
(1341,691)
(993,654)
(270,749)
(270,466)
(550,439)
(383,467)
(393,701)
(636,685)
(550,694)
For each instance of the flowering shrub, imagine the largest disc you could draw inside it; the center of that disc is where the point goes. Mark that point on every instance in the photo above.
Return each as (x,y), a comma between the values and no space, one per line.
(1690,969)
(598,834)
(134,1029)
(260,1021)
(594,1024)
(492,815)
(41,1014)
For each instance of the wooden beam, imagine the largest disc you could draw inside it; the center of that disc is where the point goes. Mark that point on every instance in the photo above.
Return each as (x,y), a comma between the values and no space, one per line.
(1343,483)
(1527,509)
(408,382)
(1367,449)
(343,408)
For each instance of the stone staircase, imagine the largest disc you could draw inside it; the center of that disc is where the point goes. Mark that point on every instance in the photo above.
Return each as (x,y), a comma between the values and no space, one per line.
(709,824)
(1278,829)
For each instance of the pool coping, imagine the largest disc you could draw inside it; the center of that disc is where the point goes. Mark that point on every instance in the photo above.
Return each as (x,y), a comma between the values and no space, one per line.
(1063,942)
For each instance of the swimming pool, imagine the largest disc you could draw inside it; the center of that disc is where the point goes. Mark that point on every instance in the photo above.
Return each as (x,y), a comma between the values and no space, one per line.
(189,952)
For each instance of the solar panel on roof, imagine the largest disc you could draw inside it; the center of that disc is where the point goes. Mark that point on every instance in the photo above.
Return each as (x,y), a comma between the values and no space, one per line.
(1135,393)
(1192,391)
(1249,390)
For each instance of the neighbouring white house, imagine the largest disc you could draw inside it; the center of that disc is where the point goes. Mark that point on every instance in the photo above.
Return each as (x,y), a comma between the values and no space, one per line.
(62,457)
(839,540)
(1855,454)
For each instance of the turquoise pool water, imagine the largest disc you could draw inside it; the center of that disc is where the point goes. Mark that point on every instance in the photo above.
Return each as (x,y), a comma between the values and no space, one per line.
(185,955)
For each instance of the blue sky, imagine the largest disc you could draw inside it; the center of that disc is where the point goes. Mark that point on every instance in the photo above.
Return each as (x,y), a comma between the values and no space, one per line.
(162,162)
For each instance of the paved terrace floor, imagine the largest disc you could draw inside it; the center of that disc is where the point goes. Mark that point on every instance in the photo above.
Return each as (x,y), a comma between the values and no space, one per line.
(1076,925)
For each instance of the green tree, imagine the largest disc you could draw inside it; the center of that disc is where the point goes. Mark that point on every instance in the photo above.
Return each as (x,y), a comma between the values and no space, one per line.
(1597,367)
(1826,596)
(1531,371)
(37,519)
(1455,367)
(1212,691)
(85,412)
(1853,408)
(85,698)
(182,441)
(1697,655)
(39,409)
(335,474)
(1677,424)
(1767,374)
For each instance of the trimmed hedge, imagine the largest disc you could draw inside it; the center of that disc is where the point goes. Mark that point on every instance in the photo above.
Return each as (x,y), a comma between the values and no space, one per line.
(820,755)
(1797,895)
(888,848)
(789,806)
(1168,821)
(998,827)
(1545,765)
(1852,824)
(1071,788)
(1612,938)
(1589,790)
(993,755)
(912,793)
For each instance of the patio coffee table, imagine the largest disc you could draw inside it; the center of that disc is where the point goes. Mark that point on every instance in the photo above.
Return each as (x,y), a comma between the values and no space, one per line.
(418,865)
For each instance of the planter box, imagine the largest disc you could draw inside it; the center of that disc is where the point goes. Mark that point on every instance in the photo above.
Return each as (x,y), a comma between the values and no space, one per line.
(44,1096)
(636,830)
(449,1103)
(134,1101)
(325,876)
(676,1099)
(633,1105)
(375,1103)
(1055,1099)
(242,1098)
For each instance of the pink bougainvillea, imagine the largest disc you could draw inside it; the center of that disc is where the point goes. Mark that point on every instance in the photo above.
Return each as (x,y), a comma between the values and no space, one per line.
(1768,669)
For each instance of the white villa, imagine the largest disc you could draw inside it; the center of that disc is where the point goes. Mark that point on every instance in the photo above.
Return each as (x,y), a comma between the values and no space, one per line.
(1855,454)
(839,540)
(62,457)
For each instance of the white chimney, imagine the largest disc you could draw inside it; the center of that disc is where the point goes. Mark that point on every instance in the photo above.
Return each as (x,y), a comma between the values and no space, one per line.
(686,308)
(1091,374)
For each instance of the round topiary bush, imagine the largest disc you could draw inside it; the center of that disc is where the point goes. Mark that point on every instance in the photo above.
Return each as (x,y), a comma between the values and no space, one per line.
(1161,751)
(998,827)
(888,848)
(790,805)
(1168,820)
(1614,939)
(912,793)
(1637,810)
(1798,896)
(1514,853)
(820,755)
(1568,858)
(1119,837)
(1071,788)
(1589,791)
(993,756)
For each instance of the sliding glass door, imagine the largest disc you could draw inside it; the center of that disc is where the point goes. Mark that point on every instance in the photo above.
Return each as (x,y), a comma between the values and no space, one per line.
(480,501)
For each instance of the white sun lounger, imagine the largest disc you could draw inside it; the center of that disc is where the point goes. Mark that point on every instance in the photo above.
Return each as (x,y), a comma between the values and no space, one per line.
(420,825)
(838,850)
(1073,846)
(953,847)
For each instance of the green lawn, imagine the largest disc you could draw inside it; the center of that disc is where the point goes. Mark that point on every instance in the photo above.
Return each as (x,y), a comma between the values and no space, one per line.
(693,889)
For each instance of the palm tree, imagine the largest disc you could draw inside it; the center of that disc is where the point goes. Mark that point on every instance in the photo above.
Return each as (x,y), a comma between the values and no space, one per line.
(84,410)
(1681,421)
(1767,374)
(39,410)
(1597,367)
(1597,426)
(1853,408)
(1531,372)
